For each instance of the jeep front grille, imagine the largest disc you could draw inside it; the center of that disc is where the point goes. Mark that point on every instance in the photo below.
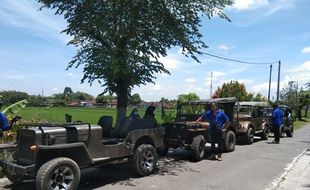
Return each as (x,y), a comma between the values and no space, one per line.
(25,155)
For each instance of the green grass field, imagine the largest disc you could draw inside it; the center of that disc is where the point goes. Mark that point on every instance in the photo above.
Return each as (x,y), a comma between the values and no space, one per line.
(89,115)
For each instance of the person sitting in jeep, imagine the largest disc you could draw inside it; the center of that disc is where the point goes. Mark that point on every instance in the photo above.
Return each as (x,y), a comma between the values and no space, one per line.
(134,114)
(217,120)
(149,112)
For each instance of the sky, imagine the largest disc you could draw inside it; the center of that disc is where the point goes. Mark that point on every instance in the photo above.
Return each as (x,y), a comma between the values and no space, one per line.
(34,53)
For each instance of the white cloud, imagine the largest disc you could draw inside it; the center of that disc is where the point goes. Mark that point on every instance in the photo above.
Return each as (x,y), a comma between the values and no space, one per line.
(299,73)
(276,6)
(223,47)
(170,62)
(249,4)
(157,87)
(70,74)
(190,80)
(25,14)
(55,89)
(216,75)
(254,11)
(263,87)
(306,50)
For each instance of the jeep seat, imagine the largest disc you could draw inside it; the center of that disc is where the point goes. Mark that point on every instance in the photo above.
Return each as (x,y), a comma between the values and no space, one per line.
(106,123)
(127,125)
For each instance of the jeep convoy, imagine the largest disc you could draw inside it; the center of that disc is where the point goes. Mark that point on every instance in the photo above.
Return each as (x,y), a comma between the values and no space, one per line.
(53,154)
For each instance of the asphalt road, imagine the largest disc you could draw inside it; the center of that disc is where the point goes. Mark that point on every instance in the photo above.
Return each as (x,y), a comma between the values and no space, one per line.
(252,167)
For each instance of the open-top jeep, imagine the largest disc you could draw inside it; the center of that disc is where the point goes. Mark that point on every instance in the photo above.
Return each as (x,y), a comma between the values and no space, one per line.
(186,134)
(253,120)
(53,154)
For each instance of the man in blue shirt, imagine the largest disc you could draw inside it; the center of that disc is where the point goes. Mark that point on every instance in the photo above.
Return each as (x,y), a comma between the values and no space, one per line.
(277,121)
(217,121)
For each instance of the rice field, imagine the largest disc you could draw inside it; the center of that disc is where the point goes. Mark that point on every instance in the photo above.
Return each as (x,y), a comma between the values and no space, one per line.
(84,114)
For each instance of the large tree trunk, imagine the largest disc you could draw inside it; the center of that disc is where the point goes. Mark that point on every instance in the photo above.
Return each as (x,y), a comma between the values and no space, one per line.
(122,99)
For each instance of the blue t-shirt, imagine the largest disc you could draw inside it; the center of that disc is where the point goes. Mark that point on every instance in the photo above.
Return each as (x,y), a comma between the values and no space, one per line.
(277,115)
(218,119)
(4,122)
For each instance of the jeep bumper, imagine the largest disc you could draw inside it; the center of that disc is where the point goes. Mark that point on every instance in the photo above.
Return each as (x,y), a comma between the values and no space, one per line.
(15,169)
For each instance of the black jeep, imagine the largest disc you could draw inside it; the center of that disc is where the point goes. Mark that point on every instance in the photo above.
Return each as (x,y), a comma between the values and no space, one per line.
(193,137)
(288,121)
(53,154)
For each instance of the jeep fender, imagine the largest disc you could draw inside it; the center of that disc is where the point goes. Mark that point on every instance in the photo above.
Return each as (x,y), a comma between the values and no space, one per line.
(75,151)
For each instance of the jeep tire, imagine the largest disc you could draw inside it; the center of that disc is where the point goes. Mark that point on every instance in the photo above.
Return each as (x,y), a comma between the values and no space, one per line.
(145,159)
(249,138)
(59,173)
(290,132)
(198,147)
(265,134)
(229,141)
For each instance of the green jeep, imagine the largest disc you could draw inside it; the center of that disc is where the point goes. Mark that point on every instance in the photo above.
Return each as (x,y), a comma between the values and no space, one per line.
(53,154)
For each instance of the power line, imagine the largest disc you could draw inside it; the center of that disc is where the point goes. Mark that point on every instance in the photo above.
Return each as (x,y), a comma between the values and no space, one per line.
(238,61)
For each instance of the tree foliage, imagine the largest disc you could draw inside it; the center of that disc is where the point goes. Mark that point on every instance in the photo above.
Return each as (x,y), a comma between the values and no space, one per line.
(188,97)
(233,89)
(68,91)
(134,99)
(120,41)
(295,98)
(11,97)
(104,99)
(288,95)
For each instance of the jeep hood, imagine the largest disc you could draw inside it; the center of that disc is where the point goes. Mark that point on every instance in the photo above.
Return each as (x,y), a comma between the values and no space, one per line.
(243,117)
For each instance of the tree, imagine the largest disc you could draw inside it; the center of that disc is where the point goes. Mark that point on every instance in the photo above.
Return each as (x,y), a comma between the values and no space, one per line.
(303,99)
(120,41)
(135,99)
(259,98)
(11,97)
(233,89)
(289,95)
(68,91)
(188,97)
(82,96)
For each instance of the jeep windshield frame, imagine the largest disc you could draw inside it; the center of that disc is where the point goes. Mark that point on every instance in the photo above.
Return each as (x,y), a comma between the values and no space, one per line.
(191,110)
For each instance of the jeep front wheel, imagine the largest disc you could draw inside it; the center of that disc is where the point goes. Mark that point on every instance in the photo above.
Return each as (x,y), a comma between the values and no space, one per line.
(198,147)
(230,141)
(145,159)
(249,136)
(59,173)
(265,134)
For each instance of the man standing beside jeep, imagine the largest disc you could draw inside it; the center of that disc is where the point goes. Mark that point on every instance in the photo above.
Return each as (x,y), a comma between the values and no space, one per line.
(217,121)
(277,117)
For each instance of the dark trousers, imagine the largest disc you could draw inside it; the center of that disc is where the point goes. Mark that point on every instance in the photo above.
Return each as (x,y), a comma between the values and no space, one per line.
(276,132)
(216,135)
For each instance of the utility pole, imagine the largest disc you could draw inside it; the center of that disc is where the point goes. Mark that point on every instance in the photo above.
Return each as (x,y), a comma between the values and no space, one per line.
(269,82)
(211,84)
(278,88)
